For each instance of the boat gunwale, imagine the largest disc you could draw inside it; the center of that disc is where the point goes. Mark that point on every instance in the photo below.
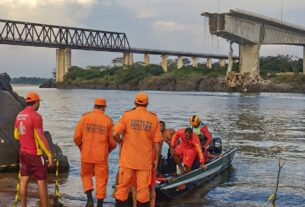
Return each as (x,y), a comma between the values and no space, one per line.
(180,178)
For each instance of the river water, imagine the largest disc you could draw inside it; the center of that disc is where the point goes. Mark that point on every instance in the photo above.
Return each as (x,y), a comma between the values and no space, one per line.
(262,126)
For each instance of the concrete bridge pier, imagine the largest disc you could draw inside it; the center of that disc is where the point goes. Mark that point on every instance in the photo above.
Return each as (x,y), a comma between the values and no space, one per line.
(146,59)
(128,58)
(249,59)
(209,63)
(63,63)
(180,62)
(222,63)
(164,62)
(303,60)
(195,61)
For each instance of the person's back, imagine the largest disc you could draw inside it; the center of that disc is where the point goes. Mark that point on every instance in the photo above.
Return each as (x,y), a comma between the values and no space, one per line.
(93,136)
(31,137)
(141,130)
(96,130)
(187,142)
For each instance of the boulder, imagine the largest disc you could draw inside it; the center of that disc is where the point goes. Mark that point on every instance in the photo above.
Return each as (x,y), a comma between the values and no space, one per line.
(10,105)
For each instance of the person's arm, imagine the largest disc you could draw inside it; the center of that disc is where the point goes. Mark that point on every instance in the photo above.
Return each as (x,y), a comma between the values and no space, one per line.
(16,131)
(112,143)
(158,153)
(198,148)
(157,139)
(41,139)
(174,139)
(118,129)
(204,130)
(78,134)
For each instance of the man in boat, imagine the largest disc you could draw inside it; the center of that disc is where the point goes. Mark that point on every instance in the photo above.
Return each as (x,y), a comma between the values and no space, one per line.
(93,136)
(141,130)
(187,150)
(167,165)
(202,131)
(166,133)
(29,132)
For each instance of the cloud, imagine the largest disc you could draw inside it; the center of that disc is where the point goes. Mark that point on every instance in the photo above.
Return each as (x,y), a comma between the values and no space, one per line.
(63,12)
(158,24)
(168,26)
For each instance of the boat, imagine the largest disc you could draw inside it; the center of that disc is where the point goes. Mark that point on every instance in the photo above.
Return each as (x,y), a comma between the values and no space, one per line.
(178,186)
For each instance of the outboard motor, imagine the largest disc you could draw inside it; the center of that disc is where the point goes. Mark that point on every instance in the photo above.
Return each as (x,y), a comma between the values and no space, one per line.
(215,147)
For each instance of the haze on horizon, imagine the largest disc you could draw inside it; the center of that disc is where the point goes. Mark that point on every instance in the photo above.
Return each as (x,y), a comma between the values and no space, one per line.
(158,24)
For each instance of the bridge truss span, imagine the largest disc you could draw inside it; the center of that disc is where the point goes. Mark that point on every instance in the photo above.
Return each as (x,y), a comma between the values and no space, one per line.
(42,35)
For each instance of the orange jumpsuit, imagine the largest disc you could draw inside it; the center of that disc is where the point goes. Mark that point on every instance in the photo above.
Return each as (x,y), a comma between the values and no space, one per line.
(141,129)
(93,136)
(188,149)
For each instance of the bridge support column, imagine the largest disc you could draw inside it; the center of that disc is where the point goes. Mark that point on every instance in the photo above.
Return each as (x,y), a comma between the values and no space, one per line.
(209,62)
(164,62)
(222,63)
(195,61)
(128,58)
(180,62)
(146,59)
(249,60)
(63,63)
(304,60)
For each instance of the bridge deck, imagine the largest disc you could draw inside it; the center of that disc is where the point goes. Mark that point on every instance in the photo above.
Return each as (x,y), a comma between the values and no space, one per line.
(53,36)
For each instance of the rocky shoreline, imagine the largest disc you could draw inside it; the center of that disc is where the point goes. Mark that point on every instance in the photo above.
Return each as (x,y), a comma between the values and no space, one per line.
(208,84)
(10,105)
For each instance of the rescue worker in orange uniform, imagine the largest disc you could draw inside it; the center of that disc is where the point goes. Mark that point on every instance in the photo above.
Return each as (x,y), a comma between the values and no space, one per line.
(202,131)
(188,149)
(29,131)
(141,130)
(93,136)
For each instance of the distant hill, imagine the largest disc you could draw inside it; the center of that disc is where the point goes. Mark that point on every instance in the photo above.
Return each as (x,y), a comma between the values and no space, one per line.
(29,80)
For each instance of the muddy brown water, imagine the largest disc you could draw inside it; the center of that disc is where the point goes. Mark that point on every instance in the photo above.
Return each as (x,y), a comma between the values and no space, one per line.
(262,126)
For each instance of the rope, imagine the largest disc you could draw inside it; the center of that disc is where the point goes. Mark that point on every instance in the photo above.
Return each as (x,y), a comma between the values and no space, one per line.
(272,197)
(17,188)
(57,195)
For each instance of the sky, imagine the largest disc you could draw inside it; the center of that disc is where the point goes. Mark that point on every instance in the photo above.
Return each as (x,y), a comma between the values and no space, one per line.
(154,24)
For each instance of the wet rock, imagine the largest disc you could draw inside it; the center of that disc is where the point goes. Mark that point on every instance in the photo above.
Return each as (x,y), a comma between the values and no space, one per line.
(10,105)
(48,84)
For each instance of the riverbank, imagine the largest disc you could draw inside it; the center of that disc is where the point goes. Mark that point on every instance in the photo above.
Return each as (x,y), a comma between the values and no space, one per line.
(152,77)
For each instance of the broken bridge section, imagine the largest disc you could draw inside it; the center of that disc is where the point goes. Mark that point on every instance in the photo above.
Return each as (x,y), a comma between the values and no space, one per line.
(250,31)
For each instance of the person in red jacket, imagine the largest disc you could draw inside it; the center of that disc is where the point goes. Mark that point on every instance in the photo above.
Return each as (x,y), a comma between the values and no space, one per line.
(188,149)
(29,132)
(202,131)
(93,136)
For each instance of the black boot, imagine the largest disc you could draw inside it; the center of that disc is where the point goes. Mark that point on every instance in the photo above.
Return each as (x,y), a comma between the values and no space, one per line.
(100,202)
(90,202)
(119,203)
(143,204)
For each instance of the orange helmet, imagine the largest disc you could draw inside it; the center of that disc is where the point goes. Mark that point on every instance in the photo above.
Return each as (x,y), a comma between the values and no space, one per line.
(194,120)
(31,97)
